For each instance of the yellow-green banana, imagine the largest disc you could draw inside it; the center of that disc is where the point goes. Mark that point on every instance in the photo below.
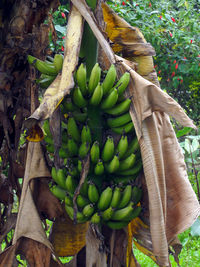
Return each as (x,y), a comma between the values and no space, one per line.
(80,218)
(43,67)
(133,171)
(78,98)
(84,149)
(105,198)
(119,121)
(58,192)
(72,147)
(123,213)
(73,130)
(94,78)
(84,189)
(109,79)
(81,79)
(108,149)
(110,100)
(68,200)
(122,146)
(93,193)
(116,197)
(123,83)
(119,108)
(96,96)
(133,146)
(127,128)
(88,210)
(99,168)
(113,165)
(61,178)
(126,197)
(82,201)
(95,152)
(86,134)
(58,62)
(135,213)
(107,214)
(127,163)
(71,184)
(95,218)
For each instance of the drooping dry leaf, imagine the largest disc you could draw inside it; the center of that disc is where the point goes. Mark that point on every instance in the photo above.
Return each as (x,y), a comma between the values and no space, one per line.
(68,238)
(63,83)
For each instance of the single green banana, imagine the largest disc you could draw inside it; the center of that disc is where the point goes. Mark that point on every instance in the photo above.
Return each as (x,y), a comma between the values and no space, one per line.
(68,200)
(119,121)
(110,100)
(58,62)
(95,152)
(95,218)
(119,108)
(58,192)
(109,79)
(108,149)
(99,168)
(132,171)
(78,98)
(122,146)
(94,78)
(133,146)
(113,165)
(135,213)
(136,194)
(72,147)
(127,163)
(43,67)
(84,149)
(79,116)
(61,178)
(84,189)
(116,225)
(81,76)
(105,198)
(86,134)
(127,128)
(93,193)
(107,214)
(73,130)
(116,197)
(82,201)
(123,213)
(71,184)
(123,83)
(80,218)
(96,96)
(54,174)
(88,210)
(126,197)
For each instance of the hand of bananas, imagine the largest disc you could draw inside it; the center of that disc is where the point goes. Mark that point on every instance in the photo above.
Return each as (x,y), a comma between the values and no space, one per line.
(96,121)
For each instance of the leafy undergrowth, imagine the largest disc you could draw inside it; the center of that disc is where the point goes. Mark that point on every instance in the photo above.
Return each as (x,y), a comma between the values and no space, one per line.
(189,256)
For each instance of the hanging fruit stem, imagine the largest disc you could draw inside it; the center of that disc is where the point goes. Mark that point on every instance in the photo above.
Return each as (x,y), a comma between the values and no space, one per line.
(95,122)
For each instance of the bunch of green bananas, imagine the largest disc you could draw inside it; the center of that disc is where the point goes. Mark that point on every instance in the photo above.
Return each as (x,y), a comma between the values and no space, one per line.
(49,68)
(96,122)
(114,206)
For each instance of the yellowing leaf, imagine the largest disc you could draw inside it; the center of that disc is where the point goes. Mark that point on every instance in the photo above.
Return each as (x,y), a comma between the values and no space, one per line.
(68,238)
